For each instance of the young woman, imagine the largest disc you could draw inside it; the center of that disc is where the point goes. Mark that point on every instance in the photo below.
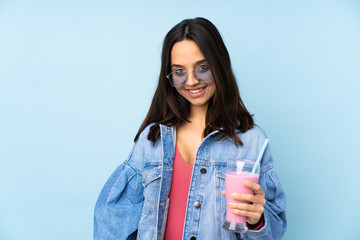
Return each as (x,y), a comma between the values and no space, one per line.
(170,187)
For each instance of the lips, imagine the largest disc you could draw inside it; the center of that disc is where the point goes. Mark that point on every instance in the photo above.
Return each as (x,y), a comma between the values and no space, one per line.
(198,92)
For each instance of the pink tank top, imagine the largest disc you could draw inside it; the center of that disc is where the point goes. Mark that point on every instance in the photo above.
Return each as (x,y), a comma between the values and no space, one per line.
(178,195)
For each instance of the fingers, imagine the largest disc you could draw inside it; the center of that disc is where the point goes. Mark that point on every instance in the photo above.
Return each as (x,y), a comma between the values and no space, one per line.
(255,199)
(247,207)
(252,217)
(252,212)
(255,187)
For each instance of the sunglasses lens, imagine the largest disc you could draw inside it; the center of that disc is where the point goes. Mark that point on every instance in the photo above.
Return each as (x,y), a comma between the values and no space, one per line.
(203,75)
(178,79)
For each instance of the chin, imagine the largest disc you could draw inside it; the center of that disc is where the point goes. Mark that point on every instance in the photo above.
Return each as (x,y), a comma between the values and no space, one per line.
(199,104)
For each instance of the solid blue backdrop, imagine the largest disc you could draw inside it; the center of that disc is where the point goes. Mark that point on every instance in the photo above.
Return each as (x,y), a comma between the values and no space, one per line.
(77,78)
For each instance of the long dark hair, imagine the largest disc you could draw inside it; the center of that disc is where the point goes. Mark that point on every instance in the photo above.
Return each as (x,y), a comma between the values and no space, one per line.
(226,111)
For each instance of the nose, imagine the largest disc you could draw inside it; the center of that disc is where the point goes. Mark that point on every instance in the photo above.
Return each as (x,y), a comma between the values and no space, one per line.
(191,81)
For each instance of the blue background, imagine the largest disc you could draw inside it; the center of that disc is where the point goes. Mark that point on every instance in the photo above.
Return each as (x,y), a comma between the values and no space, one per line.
(77,78)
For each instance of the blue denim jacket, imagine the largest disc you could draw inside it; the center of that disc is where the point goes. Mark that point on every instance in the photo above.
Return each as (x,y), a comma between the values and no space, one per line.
(133,203)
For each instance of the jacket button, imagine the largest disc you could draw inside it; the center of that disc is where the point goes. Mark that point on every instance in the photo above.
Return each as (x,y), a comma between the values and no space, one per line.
(193,238)
(197,205)
(203,170)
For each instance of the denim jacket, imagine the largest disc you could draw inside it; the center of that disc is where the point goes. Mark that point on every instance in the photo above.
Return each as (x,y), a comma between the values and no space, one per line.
(133,203)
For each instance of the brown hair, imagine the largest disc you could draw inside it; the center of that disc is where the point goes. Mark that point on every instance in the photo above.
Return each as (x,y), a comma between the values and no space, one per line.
(226,111)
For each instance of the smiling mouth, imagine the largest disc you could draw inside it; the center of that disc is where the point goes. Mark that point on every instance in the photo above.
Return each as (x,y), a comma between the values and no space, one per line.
(196,90)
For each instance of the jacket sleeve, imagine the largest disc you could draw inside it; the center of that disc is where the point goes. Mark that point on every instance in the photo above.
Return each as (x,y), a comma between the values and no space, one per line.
(118,208)
(274,210)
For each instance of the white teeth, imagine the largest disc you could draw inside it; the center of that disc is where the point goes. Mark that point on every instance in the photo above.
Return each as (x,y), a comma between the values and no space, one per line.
(196,91)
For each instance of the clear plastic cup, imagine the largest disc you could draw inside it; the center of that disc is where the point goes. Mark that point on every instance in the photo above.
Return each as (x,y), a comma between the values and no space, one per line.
(238,171)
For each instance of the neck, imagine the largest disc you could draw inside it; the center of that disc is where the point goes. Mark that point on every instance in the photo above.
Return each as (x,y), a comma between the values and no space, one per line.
(198,115)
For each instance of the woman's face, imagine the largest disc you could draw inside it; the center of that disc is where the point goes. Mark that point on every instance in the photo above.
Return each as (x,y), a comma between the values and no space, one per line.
(186,56)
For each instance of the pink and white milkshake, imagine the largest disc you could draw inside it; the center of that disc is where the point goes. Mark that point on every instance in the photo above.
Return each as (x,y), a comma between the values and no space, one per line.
(234,183)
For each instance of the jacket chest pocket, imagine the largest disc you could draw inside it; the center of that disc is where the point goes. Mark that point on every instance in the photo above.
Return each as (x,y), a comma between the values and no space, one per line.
(151,184)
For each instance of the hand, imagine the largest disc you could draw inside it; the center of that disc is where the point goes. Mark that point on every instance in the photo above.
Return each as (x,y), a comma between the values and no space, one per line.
(252,210)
